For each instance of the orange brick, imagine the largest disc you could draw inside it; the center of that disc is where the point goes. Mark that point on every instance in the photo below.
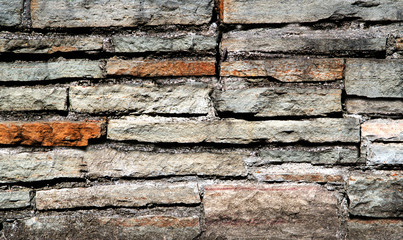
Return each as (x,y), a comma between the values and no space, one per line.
(160,68)
(49,133)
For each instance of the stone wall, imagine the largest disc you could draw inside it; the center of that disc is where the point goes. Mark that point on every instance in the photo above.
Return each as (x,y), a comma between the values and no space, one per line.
(184,119)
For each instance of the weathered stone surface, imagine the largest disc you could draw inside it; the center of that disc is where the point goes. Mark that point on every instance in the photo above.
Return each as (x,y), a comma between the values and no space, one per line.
(36,71)
(14,199)
(323,156)
(113,163)
(287,70)
(122,195)
(188,42)
(382,130)
(120,13)
(390,229)
(291,211)
(304,40)
(268,102)
(385,154)
(35,43)
(374,77)
(374,106)
(399,44)
(378,194)
(27,166)
(10,14)
(166,68)
(49,133)
(188,99)
(277,11)
(90,226)
(181,130)
(299,173)
(33,98)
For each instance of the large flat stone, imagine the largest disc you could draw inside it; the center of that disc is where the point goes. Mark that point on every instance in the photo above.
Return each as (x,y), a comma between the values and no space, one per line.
(390,229)
(374,77)
(269,102)
(374,106)
(377,194)
(27,166)
(114,163)
(382,130)
(155,99)
(10,14)
(288,211)
(119,13)
(121,195)
(181,130)
(14,199)
(385,154)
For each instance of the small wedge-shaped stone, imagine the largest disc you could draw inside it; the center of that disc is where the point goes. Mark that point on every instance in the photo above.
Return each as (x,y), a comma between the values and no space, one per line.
(121,195)
(14,199)
(181,130)
(382,130)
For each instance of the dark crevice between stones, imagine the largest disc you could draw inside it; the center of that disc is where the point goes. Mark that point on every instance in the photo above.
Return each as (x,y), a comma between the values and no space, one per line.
(177,178)
(45,183)
(366,218)
(118,114)
(261,55)
(251,117)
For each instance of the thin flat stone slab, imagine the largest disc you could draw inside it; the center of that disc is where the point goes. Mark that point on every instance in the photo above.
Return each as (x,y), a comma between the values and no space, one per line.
(374,106)
(385,130)
(376,229)
(14,199)
(385,154)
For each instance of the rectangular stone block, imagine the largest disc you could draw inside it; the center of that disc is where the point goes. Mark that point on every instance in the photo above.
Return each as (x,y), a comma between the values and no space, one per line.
(281,211)
(50,133)
(374,77)
(376,229)
(14,199)
(187,99)
(299,173)
(113,163)
(277,11)
(269,102)
(33,98)
(374,106)
(121,195)
(376,194)
(382,130)
(385,154)
(27,166)
(164,43)
(47,44)
(10,14)
(39,71)
(287,70)
(118,13)
(162,68)
(181,130)
(93,226)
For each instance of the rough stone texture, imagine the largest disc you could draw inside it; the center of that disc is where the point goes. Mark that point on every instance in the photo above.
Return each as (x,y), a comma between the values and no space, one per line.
(385,154)
(27,166)
(10,14)
(120,195)
(327,155)
(191,99)
(49,133)
(374,77)
(14,199)
(299,173)
(88,226)
(268,102)
(374,106)
(33,98)
(113,163)
(146,43)
(377,194)
(159,129)
(280,211)
(399,44)
(385,229)
(305,40)
(39,44)
(164,68)
(382,130)
(287,70)
(277,11)
(120,13)
(37,71)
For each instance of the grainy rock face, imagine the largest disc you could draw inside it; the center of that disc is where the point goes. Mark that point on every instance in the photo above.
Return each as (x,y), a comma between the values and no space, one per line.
(375,229)
(14,199)
(10,12)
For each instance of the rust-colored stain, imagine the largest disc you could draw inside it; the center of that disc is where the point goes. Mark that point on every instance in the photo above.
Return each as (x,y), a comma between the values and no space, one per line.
(34,6)
(62,49)
(155,221)
(221,9)
(161,68)
(399,44)
(49,133)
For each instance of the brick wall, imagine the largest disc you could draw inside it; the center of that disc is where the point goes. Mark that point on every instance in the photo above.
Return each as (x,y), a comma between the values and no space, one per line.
(181,119)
